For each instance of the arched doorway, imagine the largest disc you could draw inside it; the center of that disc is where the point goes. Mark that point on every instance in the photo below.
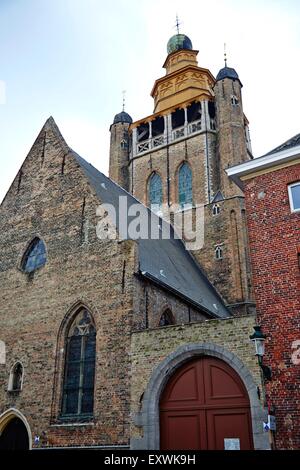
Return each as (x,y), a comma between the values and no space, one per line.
(14,436)
(205,406)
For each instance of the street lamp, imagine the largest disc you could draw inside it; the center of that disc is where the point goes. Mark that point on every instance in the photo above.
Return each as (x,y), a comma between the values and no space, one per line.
(258,339)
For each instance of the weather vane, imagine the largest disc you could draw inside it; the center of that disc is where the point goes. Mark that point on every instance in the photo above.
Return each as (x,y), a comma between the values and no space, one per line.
(123,93)
(225,54)
(178,23)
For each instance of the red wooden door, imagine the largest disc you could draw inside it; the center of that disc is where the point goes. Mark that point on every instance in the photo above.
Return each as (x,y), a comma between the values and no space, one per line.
(205,406)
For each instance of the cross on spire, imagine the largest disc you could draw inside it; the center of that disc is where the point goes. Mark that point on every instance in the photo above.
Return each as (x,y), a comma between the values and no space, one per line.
(225,55)
(123,93)
(177,24)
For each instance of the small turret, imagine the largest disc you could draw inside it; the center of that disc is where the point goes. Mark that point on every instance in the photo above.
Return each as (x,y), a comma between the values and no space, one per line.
(119,149)
(231,125)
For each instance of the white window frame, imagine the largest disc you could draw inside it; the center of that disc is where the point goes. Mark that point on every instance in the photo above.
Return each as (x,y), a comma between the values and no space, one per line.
(297,183)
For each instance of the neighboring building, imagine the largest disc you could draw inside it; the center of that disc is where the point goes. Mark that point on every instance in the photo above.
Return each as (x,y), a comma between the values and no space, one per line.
(112,343)
(272,189)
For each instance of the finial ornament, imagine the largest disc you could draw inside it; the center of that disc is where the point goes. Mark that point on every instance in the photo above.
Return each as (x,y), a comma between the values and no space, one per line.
(225,54)
(123,93)
(178,23)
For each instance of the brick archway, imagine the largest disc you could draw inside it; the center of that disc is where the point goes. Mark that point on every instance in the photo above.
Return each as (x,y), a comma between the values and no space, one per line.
(19,424)
(205,406)
(148,418)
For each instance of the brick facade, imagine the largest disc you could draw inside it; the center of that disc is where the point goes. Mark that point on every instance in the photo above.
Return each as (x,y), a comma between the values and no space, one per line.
(50,197)
(274,244)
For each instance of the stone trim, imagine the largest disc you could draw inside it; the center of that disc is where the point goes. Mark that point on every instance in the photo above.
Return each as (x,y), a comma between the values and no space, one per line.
(148,418)
(8,415)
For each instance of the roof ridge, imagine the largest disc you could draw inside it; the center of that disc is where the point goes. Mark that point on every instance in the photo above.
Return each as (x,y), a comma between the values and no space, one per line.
(285,145)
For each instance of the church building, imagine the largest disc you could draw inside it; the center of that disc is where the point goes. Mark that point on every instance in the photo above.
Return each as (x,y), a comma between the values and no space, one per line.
(116,341)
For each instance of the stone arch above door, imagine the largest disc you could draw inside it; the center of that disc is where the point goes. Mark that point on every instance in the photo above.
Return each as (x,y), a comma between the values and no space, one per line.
(149,416)
(8,416)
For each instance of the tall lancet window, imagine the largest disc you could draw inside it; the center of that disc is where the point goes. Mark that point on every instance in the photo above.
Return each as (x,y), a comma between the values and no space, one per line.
(185,187)
(155,191)
(78,387)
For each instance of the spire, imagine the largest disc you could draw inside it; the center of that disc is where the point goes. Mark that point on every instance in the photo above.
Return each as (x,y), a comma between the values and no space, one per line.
(123,106)
(177,24)
(225,55)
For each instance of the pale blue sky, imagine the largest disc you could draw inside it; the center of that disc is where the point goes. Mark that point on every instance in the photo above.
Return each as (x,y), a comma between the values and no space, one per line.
(72,58)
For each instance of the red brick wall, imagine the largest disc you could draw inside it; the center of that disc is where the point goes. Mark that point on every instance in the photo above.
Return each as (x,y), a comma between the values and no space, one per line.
(274,234)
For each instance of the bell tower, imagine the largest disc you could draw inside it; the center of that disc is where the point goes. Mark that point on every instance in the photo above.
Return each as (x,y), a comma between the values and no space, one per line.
(177,161)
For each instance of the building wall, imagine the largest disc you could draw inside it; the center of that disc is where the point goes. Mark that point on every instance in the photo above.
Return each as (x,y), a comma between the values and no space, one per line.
(274,245)
(166,162)
(152,348)
(51,198)
(150,302)
(230,275)
(80,270)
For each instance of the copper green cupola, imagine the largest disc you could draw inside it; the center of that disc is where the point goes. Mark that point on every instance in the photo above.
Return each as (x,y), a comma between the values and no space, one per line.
(184,80)
(178,42)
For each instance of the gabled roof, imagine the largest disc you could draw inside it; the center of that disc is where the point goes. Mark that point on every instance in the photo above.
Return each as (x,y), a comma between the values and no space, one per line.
(290,143)
(163,261)
(286,154)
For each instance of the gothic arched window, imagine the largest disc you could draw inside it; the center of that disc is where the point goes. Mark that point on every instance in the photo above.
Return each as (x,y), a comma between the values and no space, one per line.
(155,190)
(218,252)
(216,209)
(185,188)
(166,318)
(16,378)
(35,256)
(78,387)
(124,144)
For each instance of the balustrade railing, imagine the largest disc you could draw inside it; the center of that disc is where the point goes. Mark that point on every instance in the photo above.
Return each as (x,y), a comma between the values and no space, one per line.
(179,133)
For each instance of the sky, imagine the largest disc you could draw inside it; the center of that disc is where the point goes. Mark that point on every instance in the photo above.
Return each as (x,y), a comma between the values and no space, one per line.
(71,59)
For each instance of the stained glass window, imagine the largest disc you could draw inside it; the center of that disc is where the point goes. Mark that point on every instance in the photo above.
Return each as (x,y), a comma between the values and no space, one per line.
(35,256)
(155,191)
(185,190)
(78,389)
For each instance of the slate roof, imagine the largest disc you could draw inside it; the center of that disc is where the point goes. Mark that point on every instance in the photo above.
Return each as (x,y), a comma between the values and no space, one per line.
(227,72)
(218,196)
(292,142)
(122,117)
(164,261)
